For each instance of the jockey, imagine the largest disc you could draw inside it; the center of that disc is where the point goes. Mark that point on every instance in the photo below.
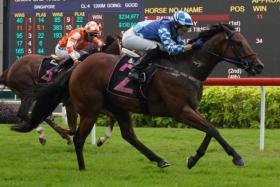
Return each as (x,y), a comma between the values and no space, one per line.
(77,40)
(152,36)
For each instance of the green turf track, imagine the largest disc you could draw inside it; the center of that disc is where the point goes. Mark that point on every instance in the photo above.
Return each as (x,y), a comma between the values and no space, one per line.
(24,162)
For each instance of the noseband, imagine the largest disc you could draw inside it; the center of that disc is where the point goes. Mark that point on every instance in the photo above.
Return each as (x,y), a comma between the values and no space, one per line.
(239,60)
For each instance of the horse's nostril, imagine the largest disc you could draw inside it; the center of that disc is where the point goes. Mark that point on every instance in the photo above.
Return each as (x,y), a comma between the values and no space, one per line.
(259,66)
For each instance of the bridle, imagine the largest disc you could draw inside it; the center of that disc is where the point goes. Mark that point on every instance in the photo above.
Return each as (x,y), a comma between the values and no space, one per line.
(239,60)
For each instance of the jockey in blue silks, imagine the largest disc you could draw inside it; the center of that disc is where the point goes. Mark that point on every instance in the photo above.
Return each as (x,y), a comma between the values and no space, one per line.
(152,36)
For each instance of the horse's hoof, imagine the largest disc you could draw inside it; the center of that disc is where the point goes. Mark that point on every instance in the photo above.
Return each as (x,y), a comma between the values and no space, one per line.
(99,142)
(70,142)
(163,164)
(191,162)
(82,168)
(42,141)
(238,162)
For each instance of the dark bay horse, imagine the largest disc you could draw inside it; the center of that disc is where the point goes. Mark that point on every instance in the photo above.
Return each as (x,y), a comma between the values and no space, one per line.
(174,91)
(22,78)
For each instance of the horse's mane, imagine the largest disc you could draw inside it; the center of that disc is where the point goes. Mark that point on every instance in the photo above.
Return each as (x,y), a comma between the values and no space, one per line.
(214,29)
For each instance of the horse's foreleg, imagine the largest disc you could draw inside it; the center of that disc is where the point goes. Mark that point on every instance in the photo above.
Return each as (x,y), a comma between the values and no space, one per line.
(124,120)
(192,160)
(61,131)
(237,160)
(197,121)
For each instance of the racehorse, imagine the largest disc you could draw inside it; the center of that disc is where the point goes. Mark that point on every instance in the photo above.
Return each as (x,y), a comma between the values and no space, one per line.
(23,76)
(174,91)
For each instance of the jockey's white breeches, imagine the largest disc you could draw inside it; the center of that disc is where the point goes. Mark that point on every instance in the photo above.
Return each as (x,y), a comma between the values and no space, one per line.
(132,41)
(61,52)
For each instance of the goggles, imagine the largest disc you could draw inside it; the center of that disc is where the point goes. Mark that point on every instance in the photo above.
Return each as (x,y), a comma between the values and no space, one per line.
(185,28)
(92,34)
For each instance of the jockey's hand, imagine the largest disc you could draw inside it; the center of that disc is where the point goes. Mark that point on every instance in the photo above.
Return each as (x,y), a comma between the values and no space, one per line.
(99,48)
(188,47)
(76,62)
(198,43)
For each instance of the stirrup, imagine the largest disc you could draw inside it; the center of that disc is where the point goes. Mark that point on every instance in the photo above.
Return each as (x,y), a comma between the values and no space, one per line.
(140,77)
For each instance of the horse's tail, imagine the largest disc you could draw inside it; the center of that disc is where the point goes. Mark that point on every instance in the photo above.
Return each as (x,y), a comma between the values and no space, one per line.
(47,99)
(3,79)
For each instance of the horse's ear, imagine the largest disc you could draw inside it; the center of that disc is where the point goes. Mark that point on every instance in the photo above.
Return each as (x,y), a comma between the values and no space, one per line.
(225,28)
(109,40)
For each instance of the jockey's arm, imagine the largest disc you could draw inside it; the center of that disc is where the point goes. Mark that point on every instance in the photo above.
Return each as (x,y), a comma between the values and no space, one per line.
(169,44)
(98,43)
(72,41)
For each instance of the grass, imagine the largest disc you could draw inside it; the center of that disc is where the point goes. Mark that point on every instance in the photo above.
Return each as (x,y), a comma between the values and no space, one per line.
(24,162)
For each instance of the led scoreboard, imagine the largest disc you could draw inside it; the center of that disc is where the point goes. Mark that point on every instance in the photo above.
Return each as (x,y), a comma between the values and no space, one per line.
(35,26)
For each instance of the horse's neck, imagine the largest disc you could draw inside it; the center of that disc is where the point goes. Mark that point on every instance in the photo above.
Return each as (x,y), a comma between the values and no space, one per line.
(198,64)
(203,64)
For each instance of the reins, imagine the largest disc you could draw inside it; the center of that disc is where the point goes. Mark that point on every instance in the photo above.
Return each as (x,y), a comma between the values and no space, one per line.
(239,60)
(177,73)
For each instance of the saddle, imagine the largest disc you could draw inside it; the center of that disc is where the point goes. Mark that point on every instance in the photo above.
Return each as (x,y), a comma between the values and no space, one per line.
(57,58)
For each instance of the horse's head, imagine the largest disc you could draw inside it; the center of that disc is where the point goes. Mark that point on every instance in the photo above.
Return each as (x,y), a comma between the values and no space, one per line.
(231,46)
(112,45)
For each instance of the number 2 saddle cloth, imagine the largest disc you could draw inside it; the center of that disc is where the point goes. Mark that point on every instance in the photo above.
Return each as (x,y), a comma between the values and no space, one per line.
(120,84)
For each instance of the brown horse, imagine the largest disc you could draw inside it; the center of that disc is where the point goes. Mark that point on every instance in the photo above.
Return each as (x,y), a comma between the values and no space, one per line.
(22,78)
(175,91)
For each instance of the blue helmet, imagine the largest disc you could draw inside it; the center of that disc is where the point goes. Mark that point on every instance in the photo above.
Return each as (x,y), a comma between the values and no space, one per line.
(182,18)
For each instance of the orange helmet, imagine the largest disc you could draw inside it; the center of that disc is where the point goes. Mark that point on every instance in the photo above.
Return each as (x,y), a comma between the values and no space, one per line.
(91,27)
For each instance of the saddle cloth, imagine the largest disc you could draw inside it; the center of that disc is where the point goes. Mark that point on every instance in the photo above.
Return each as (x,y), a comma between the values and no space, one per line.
(46,70)
(120,84)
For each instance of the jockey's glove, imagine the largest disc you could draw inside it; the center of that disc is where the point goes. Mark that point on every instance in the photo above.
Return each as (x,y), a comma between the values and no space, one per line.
(198,43)
(76,62)
(188,47)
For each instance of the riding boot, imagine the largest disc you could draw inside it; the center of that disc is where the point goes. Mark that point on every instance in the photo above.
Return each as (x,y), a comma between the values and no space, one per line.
(142,63)
(59,67)
(64,64)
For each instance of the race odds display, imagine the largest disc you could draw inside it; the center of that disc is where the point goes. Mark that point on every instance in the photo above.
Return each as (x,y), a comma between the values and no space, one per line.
(35,26)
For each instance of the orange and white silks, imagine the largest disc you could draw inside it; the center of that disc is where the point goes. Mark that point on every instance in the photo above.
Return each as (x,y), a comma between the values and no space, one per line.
(75,41)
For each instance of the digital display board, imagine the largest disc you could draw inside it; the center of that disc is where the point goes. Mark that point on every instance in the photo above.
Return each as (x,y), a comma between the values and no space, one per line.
(35,26)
